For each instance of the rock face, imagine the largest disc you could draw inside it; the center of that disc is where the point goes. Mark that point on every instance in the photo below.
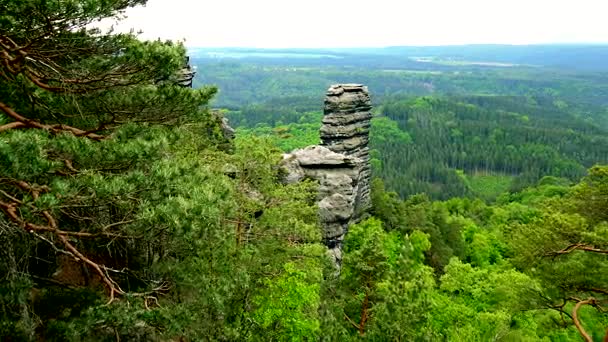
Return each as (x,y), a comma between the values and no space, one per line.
(340,164)
(228,132)
(186,74)
(345,129)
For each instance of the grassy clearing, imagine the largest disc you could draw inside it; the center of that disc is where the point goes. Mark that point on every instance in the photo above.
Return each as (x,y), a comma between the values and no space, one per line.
(489,186)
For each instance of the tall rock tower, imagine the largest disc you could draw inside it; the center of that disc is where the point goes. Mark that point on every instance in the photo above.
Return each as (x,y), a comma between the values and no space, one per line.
(345,130)
(340,165)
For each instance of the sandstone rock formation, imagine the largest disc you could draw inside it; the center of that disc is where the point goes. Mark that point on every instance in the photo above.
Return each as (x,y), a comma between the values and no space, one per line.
(340,165)
(345,129)
(186,74)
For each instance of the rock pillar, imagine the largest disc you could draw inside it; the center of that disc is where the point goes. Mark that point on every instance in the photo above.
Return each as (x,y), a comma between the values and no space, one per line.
(340,164)
(345,130)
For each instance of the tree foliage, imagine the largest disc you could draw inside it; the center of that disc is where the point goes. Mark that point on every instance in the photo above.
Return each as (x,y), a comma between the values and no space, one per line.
(115,189)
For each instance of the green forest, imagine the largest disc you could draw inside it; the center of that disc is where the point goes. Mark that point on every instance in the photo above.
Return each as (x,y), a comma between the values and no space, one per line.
(128,213)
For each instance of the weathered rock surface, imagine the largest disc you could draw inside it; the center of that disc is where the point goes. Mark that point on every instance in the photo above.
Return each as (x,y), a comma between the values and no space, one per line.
(185,75)
(340,165)
(345,130)
(338,177)
(228,132)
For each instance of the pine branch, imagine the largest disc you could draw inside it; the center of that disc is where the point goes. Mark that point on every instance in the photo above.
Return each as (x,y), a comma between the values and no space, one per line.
(22,121)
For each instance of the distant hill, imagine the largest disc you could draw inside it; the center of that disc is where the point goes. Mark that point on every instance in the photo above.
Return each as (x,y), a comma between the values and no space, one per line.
(582,57)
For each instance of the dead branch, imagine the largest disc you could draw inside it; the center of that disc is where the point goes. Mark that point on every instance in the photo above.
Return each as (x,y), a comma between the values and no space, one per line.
(113,287)
(69,165)
(16,200)
(351,322)
(578,246)
(53,246)
(115,224)
(11,210)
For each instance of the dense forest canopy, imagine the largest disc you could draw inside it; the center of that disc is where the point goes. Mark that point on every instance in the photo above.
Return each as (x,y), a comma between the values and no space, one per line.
(127,214)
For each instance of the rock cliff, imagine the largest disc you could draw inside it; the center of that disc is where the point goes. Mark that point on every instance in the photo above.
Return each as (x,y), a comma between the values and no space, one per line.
(340,164)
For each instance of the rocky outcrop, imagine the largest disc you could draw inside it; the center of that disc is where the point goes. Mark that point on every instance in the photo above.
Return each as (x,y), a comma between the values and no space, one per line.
(340,165)
(227,131)
(338,178)
(185,75)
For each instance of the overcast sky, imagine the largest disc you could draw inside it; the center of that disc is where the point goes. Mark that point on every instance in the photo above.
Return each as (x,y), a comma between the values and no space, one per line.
(370,23)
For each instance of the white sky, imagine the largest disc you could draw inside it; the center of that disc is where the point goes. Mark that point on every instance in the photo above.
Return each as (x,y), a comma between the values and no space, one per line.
(369,23)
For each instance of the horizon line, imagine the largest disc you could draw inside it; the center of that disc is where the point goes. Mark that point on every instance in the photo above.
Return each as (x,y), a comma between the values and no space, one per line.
(400,46)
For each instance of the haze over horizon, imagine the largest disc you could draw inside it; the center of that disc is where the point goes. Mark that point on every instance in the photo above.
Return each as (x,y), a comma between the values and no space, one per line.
(355,23)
